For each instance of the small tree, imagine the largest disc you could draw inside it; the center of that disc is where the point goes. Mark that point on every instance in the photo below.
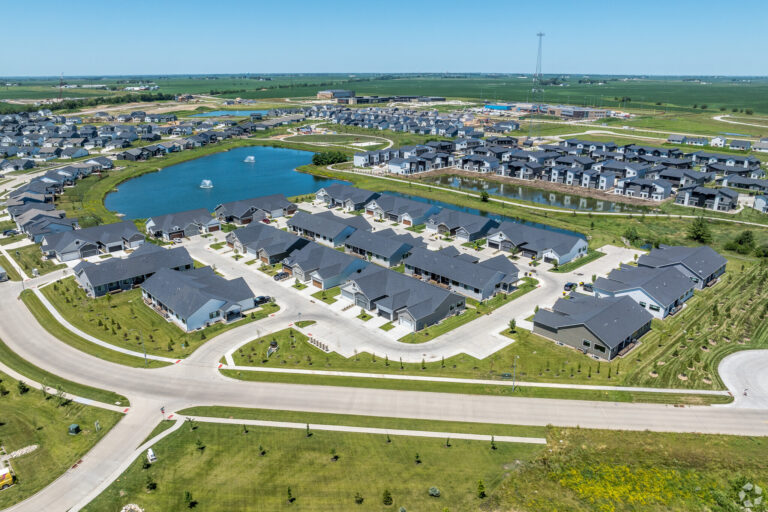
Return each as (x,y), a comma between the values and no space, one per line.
(188,500)
(481,489)
(484,196)
(359,498)
(493,443)
(151,485)
(699,231)
(23,388)
(309,433)
(386,498)
(417,459)
(512,325)
(291,499)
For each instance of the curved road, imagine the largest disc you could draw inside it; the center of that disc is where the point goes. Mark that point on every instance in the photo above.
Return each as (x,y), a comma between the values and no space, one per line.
(196,381)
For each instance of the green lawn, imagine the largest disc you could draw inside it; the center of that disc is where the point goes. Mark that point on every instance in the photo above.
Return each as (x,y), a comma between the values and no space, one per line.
(305,323)
(13,274)
(218,245)
(477,244)
(31,418)
(319,418)
(50,324)
(591,256)
(231,460)
(387,326)
(29,257)
(11,239)
(271,270)
(328,295)
(364,316)
(299,285)
(112,317)
(597,470)
(33,373)
(474,310)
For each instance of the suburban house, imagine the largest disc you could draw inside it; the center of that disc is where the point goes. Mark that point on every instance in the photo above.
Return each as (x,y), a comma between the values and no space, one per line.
(400,299)
(656,190)
(464,226)
(197,298)
(117,274)
(684,177)
(537,243)
(270,245)
(718,199)
(324,266)
(601,327)
(339,195)
(662,290)
(702,265)
(747,183)
(81,243)
(400,209)
(460,274)
(761,204)
(257,208)
(182,224)
(326,228)
(385,247)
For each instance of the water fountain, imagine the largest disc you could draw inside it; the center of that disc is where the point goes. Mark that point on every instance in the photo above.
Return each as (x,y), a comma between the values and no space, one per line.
(206,184)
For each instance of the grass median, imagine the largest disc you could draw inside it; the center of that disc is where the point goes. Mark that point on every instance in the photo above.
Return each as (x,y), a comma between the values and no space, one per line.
(33,373)
(50,324)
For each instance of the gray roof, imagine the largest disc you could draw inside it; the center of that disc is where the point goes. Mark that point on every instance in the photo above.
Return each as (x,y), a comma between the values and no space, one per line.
(340,192)
(103,234)
(180,220)
(476,275)
(702,261)
(185,293)
(611,319)
(384,243)
(538,239)
(326,223)
(325,261)
(395,291)
(665,285)
(244,206)
(454,219)
(396,205)
(145,260)
(273,241)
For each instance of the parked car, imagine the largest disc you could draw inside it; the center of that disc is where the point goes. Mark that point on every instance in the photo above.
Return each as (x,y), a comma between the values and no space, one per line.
(281,276)
(262,299)
(10,232)
(569,286)
(588,287)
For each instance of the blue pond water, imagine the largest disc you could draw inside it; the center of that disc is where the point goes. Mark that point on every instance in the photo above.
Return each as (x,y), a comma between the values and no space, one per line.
(177,188)
(222,113)
(485,214)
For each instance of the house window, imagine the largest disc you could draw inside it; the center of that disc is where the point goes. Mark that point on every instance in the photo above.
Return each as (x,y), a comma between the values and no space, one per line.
(600,348)
(586,343)
(213,314)
(654,307)
(643,304)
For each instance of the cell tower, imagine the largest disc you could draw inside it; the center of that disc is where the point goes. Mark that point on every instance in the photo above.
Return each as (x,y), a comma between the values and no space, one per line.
(537,94)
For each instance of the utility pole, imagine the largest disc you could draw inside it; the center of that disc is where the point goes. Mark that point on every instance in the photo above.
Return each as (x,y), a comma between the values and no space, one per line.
(537,94)
(61,86)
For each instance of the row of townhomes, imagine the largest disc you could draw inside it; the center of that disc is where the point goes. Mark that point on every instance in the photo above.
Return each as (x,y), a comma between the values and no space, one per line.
(720,142)
(612,321)
(645,172)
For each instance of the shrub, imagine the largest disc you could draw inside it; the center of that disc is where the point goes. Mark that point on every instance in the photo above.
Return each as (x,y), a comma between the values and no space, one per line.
(359,498)
(434,492)
(386,498)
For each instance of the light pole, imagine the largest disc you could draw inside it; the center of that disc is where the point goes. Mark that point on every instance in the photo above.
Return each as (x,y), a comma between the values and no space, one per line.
(143,346)
(514,373)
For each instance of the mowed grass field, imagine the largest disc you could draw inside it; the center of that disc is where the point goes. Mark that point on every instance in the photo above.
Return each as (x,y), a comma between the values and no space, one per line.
(31,418)
(235,467)
(222,468)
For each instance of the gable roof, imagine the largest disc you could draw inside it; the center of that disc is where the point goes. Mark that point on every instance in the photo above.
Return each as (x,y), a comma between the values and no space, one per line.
(385,243)
(103,234)
(611,319)
(665,285)
(477,275)
(185,293)
(314,257)
(341,192)
(272,241)
(147,259)
(702,261)
(454,219)
(179,220)
(538,239)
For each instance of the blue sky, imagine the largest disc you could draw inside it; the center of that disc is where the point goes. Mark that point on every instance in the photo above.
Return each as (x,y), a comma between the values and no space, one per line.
(229,36)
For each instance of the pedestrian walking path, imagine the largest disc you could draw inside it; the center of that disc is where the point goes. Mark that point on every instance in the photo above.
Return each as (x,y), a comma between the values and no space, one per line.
(372,430)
